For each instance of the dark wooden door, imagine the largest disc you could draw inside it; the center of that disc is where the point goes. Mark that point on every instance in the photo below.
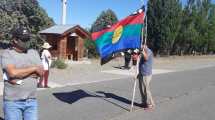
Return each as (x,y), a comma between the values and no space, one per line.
(71,48)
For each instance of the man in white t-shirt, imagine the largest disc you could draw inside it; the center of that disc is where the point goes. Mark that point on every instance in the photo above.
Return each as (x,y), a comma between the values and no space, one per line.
(46,60)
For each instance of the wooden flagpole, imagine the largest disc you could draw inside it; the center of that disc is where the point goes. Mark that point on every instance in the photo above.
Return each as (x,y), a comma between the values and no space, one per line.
(137,66)
(135,75)
(134,90)
(146,27)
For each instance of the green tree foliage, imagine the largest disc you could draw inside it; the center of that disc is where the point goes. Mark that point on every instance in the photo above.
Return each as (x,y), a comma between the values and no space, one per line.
(211,29)
(105,19)
(171,24)
(187,40)
(164,22)
(198,27)
(181,30)
(91,47)
(202,23)
(155,21)
(23,12)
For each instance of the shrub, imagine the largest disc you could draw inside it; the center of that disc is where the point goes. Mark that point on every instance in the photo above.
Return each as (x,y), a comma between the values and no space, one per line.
(60,64)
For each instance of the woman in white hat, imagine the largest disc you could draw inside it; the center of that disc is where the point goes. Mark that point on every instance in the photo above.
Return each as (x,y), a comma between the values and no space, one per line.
(46,60)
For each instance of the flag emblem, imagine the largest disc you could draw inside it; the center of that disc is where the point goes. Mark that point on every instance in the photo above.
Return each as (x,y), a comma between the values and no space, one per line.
(117,34)
(123,35)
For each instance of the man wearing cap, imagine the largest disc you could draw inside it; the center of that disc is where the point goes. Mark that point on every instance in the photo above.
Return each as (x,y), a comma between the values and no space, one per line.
(144,70)
(22,68)
(46,60)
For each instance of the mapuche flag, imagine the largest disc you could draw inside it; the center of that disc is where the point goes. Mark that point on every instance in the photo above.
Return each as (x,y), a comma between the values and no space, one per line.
(124,35)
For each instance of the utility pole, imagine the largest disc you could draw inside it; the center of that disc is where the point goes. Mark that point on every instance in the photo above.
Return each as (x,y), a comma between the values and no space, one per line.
(64,7)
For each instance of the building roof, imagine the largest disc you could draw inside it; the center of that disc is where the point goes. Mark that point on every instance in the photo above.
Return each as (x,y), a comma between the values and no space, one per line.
(57,29)
(65,30)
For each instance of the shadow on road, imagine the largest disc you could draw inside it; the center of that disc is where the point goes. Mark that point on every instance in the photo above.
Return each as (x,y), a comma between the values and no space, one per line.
(118,67)
(74,96)
(121,67)
(118,98)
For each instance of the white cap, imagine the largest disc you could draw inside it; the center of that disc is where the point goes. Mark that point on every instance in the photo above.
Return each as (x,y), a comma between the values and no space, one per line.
(136,50)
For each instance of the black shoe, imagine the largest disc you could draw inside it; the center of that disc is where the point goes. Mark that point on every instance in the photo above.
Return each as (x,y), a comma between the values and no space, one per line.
(127,68)
(143,105)
(47,87)
(39,86)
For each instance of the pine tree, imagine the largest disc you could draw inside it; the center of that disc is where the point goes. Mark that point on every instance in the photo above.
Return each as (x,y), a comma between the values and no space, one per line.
(211,29)
(171,24)
(187,40)
(154,21)
(164,22)
(105,19)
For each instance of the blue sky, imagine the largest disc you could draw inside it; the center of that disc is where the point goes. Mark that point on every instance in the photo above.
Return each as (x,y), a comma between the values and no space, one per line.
(85,12)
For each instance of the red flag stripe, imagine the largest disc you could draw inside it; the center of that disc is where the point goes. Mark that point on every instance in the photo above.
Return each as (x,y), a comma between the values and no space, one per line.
(133,19)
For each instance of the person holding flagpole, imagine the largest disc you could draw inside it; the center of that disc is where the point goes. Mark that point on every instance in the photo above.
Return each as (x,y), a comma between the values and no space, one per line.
(144,72)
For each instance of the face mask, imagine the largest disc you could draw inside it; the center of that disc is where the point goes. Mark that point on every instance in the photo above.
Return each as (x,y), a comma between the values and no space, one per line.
(23,45)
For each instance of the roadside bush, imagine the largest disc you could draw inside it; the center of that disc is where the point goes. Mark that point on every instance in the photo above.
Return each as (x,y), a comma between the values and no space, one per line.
(91,48)
(60,64)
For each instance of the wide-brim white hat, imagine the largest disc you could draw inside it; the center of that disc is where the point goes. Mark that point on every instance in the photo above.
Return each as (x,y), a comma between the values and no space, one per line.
(46,45)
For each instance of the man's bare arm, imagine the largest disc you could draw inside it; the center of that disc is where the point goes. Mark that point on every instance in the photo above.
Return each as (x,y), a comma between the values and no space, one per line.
(145,54)
(20,73)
